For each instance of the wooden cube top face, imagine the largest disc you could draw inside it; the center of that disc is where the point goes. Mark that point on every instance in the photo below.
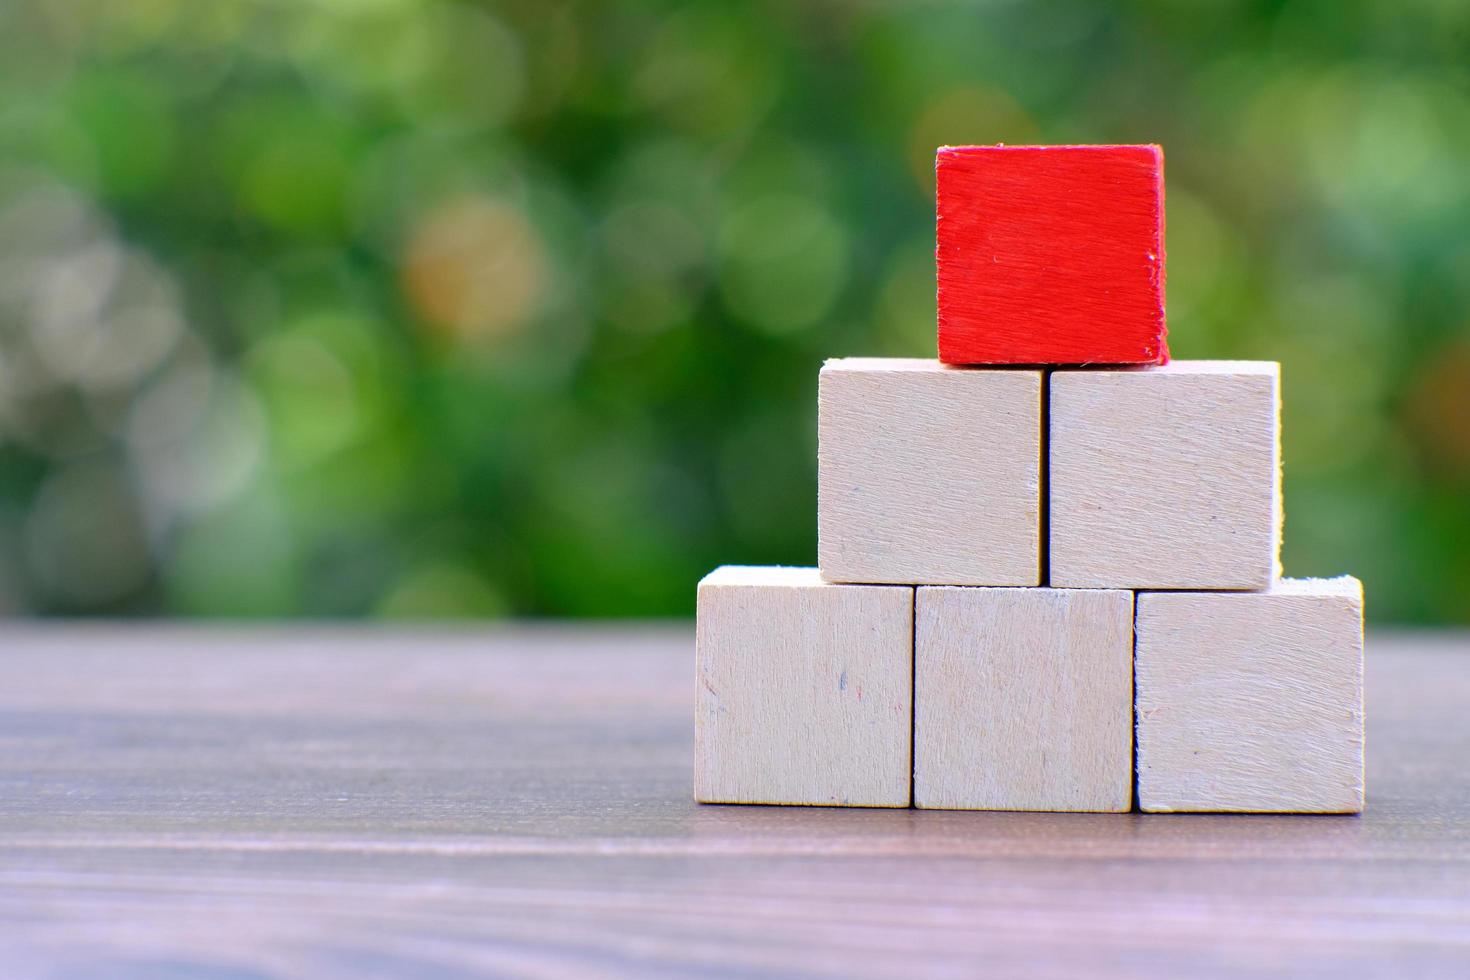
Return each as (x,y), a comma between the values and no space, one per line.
(1023,699)
(1252,702)
(804,690)
(1165,477)
(928,474)
(1051,254)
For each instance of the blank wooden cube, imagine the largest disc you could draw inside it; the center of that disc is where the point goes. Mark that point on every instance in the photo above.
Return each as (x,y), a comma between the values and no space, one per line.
(1166,477)
(804,690)
(1023,699)
(1252,701)
(928,474)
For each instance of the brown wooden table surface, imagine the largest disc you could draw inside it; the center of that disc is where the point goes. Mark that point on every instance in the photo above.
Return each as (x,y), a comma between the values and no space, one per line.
(182,802)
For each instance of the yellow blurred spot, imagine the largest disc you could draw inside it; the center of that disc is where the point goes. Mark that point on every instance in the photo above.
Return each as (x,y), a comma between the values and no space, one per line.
(1439,411)
(966,115)
(474,268)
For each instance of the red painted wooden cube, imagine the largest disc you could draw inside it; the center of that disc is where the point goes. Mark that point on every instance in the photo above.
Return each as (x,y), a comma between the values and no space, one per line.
(1051,254)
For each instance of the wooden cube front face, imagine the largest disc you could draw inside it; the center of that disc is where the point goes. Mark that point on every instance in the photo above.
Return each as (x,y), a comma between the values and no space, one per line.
(1165,477)
(804,690)
(928,474)
(1252,702)
(1050,254)
(1023,699)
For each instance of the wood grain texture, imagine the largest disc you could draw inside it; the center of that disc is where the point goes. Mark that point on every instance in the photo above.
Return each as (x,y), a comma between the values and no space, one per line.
(1252,701)
(345,802)
(803,690)
(928,474)
(1050,254)
(1023,699)
(1166,477)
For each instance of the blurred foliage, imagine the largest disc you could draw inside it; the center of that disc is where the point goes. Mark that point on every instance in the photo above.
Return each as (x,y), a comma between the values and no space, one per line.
(405,308)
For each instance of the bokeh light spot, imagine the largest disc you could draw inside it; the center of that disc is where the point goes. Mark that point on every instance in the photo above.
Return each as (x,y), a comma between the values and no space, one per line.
(84,542)
(309,398)
(295,181)
(464,65)
(474,268)
(131,128)
(784,260)
(103,316)
(1438,412)
(708,72)
(206,464)
(969,114)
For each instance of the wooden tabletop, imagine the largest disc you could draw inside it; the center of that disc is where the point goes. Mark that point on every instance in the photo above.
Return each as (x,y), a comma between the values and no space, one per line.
(181,802)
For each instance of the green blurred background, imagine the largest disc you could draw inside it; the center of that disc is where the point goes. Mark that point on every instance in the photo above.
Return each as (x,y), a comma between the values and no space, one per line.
(400,308)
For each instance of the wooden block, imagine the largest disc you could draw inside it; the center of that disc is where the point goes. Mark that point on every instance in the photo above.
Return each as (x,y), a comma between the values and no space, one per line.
(1252,701)
(1023,699)
(1051,254)
(1166,477)
(804,690)
(928,474)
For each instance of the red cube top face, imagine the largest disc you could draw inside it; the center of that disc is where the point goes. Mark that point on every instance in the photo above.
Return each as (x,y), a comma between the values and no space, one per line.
(1051,255)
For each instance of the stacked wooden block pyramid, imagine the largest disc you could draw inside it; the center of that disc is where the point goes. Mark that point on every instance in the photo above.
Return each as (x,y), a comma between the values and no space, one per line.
(1050,578)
